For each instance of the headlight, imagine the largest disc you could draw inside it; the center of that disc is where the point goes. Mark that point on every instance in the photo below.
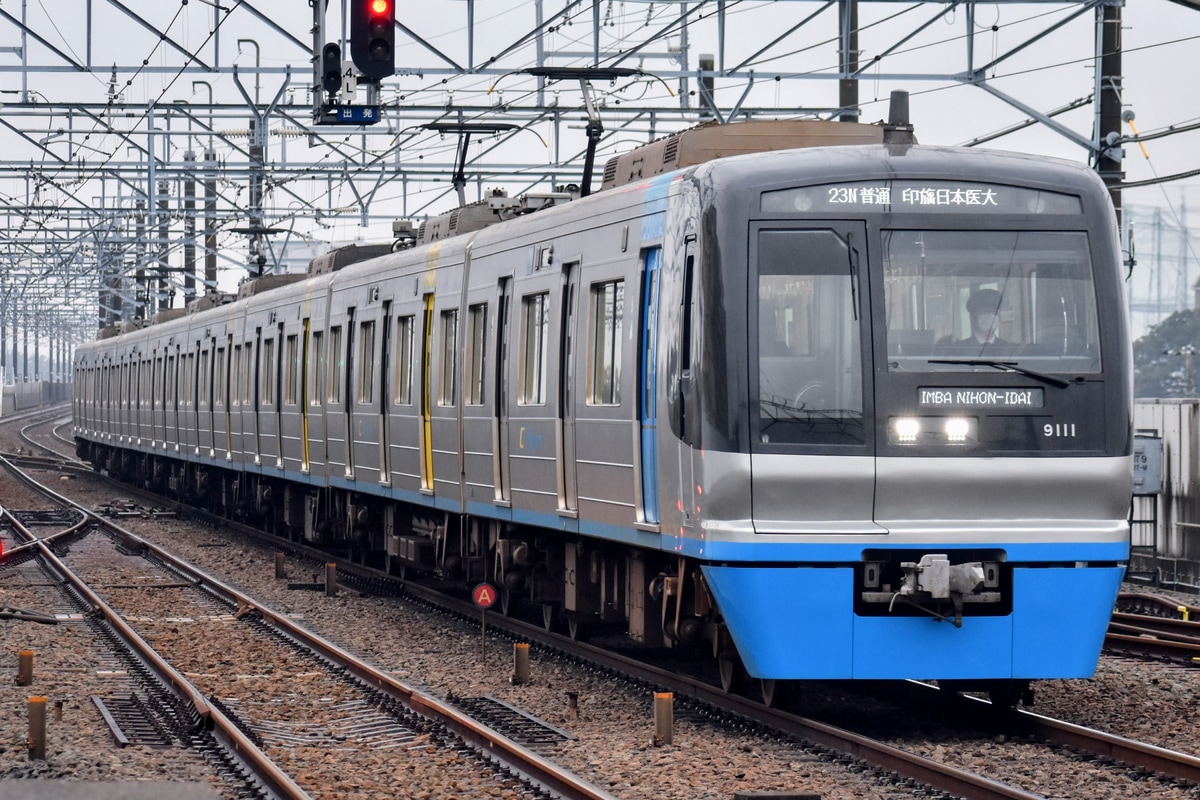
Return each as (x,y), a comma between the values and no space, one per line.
(905,430)
(933,430)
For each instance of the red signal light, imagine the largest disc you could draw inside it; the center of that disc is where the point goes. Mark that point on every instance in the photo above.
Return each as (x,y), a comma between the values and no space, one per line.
(373,37)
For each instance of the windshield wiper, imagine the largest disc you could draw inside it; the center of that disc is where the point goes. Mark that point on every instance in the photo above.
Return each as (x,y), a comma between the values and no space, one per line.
(1005,366)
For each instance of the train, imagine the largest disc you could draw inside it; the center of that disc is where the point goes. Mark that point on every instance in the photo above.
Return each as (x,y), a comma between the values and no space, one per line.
(810,398)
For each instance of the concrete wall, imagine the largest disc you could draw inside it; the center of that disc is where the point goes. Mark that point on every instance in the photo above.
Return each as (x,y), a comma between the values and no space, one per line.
(23,396)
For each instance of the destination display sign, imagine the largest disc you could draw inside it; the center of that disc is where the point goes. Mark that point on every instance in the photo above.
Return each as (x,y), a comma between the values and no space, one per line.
(907,197)
(977,397)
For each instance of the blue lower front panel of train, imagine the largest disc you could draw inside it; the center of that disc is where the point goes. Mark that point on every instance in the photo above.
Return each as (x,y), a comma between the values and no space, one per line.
(800,622)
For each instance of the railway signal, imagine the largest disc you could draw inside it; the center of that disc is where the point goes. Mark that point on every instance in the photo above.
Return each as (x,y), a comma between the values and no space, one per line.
(373,37)
(331,68)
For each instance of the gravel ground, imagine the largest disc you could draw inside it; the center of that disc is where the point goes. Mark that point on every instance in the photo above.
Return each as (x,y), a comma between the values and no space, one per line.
(613,724)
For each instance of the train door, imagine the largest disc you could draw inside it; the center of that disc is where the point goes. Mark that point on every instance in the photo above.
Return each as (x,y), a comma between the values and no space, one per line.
(317,393)
(121,398)
(500,470)
(426,396)
(291,406)
(176,385)
(568,490)
(233,402)
(648,384)
(275,374)
(335,410)
(385,348)
(347,393)
(808,352)
(203,443)
(199,365)
(305,341)
(210,394)
(157,415)
(405,422)
(363,400)
(687,398)
(250,429)
(222,433)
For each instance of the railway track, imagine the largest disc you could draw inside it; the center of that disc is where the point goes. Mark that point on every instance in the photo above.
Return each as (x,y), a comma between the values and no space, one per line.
(908,767)
(1155,626)
(204,640)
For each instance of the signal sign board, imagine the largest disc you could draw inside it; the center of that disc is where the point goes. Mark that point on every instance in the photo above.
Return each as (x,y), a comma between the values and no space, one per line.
(484,595)
(349,115)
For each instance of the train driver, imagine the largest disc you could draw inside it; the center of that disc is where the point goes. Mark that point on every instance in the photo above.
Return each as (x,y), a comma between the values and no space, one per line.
(983,306)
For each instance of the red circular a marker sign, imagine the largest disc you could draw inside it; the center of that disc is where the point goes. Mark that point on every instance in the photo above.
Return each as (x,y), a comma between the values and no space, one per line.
(484,595)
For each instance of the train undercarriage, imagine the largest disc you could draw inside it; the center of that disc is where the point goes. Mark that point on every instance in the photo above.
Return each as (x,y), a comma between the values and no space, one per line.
(580,587)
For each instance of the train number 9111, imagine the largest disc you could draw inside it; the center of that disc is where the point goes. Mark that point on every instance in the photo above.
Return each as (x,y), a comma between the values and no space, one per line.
(1065,430)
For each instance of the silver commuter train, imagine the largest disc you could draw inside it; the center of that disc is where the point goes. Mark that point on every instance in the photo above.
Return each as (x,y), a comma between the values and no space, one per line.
(751,402)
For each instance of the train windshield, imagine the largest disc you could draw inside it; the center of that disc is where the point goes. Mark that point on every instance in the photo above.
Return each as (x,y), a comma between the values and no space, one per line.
(809,379)
(1021,297)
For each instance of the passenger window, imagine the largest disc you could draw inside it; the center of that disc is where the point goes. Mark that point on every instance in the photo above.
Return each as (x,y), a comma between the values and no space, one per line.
(366,362)
(448,394)
(316,389)
(291,356)
(604,356)
(268,372)
(476,336)
(404,358)
(336,360)
(535,330)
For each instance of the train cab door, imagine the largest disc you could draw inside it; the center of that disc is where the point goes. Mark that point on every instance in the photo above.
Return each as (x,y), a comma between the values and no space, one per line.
(568,490)
(502,478)
(809,351)
(648,385)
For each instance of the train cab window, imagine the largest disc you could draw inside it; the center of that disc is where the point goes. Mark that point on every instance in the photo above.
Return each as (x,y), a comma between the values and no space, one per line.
(535,331)
(366,362)
(475,352)
(972,296)
(448,387)
(404,359)
(809,341)
(604,353)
